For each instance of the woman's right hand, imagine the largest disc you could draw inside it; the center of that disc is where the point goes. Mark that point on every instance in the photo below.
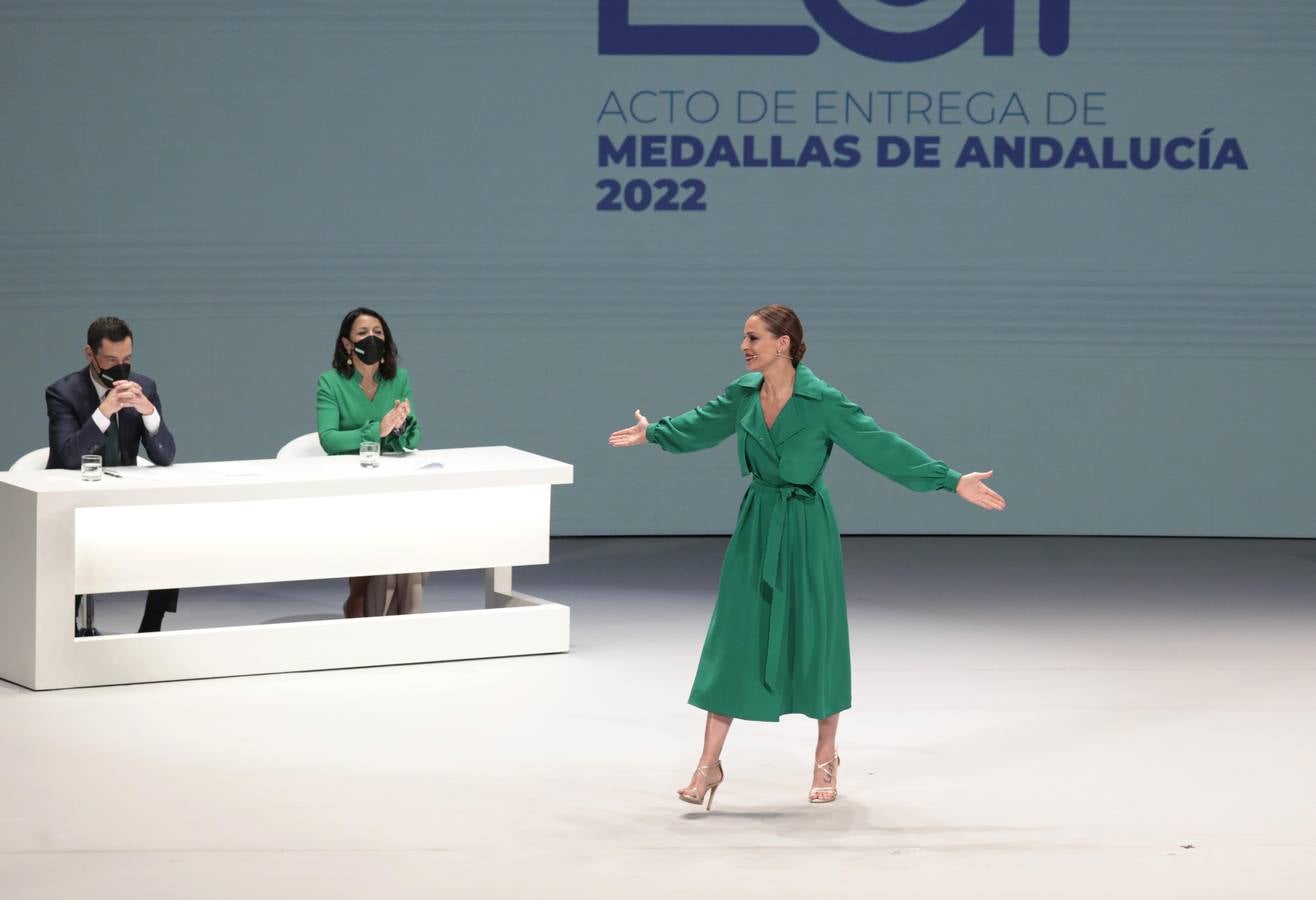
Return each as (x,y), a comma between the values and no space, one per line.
(392,419)
(633,436)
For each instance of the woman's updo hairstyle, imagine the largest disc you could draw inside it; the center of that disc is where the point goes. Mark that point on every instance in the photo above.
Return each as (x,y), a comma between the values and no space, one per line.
(782,321)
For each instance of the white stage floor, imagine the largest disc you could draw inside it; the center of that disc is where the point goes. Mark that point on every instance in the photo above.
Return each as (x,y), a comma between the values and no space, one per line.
(1034,718)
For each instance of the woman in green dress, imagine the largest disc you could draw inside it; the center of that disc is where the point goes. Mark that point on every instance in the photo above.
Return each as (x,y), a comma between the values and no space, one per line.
(367,397)
(778,642)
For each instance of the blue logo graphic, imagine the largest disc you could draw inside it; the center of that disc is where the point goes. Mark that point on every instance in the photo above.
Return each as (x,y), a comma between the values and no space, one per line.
(993,18)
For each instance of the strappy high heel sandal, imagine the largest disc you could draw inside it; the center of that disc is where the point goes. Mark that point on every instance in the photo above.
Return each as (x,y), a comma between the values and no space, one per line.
(826,794)
(710,787)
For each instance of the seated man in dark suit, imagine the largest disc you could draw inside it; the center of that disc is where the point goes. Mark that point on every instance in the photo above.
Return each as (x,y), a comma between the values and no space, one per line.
(105,409)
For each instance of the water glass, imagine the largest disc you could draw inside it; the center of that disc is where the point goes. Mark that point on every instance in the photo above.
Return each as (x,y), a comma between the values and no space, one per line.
(370,454)
(91,467)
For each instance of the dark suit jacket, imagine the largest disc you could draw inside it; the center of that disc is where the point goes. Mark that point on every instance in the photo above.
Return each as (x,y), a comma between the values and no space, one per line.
(69,405)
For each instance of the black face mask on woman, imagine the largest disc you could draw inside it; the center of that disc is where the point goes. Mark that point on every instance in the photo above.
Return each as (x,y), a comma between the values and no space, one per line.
(370,350)
(113,374)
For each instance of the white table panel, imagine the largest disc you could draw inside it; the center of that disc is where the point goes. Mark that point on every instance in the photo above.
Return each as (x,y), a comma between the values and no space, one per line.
(312,537)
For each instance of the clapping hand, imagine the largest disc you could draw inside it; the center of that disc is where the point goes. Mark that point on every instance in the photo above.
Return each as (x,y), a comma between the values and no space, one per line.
(633,436)
(972,489)
(395,418)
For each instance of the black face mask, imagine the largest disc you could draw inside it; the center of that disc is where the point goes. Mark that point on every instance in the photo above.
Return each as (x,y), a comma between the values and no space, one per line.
(113,374)
(370,350)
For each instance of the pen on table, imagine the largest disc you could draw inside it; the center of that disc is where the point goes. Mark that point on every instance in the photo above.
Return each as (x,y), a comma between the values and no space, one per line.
(112,474)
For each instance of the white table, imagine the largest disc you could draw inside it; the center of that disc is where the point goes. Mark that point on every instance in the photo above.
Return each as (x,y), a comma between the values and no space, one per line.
(273,520)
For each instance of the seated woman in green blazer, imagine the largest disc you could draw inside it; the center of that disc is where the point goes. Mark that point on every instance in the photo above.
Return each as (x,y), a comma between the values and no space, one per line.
(366,397)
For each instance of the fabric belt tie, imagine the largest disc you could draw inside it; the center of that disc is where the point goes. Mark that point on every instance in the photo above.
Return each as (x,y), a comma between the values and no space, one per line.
(786,494)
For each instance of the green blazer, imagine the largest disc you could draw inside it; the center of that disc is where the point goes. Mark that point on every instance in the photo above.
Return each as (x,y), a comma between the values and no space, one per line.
(345,416)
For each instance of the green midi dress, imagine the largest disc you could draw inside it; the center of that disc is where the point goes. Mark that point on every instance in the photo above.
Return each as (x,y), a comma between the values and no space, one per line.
(778,642)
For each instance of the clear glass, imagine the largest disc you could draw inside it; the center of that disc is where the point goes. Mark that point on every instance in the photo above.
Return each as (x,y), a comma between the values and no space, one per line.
(370,454)
(91,467)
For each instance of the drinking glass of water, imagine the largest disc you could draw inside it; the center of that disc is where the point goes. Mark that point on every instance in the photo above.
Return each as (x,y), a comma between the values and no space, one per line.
(91,467)
(370,454)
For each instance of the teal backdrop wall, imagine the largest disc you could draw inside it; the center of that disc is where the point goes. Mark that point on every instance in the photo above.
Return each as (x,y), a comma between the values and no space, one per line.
(1133,350)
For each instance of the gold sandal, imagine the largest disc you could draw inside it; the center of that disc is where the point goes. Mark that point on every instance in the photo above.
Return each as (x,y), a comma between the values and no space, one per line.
(710,788)
(826,794)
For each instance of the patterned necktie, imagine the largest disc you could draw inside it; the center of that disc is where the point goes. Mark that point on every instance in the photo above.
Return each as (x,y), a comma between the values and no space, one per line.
(113,456)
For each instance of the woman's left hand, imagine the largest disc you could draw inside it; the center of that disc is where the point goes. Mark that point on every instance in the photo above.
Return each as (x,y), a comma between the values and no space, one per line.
(972,488)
